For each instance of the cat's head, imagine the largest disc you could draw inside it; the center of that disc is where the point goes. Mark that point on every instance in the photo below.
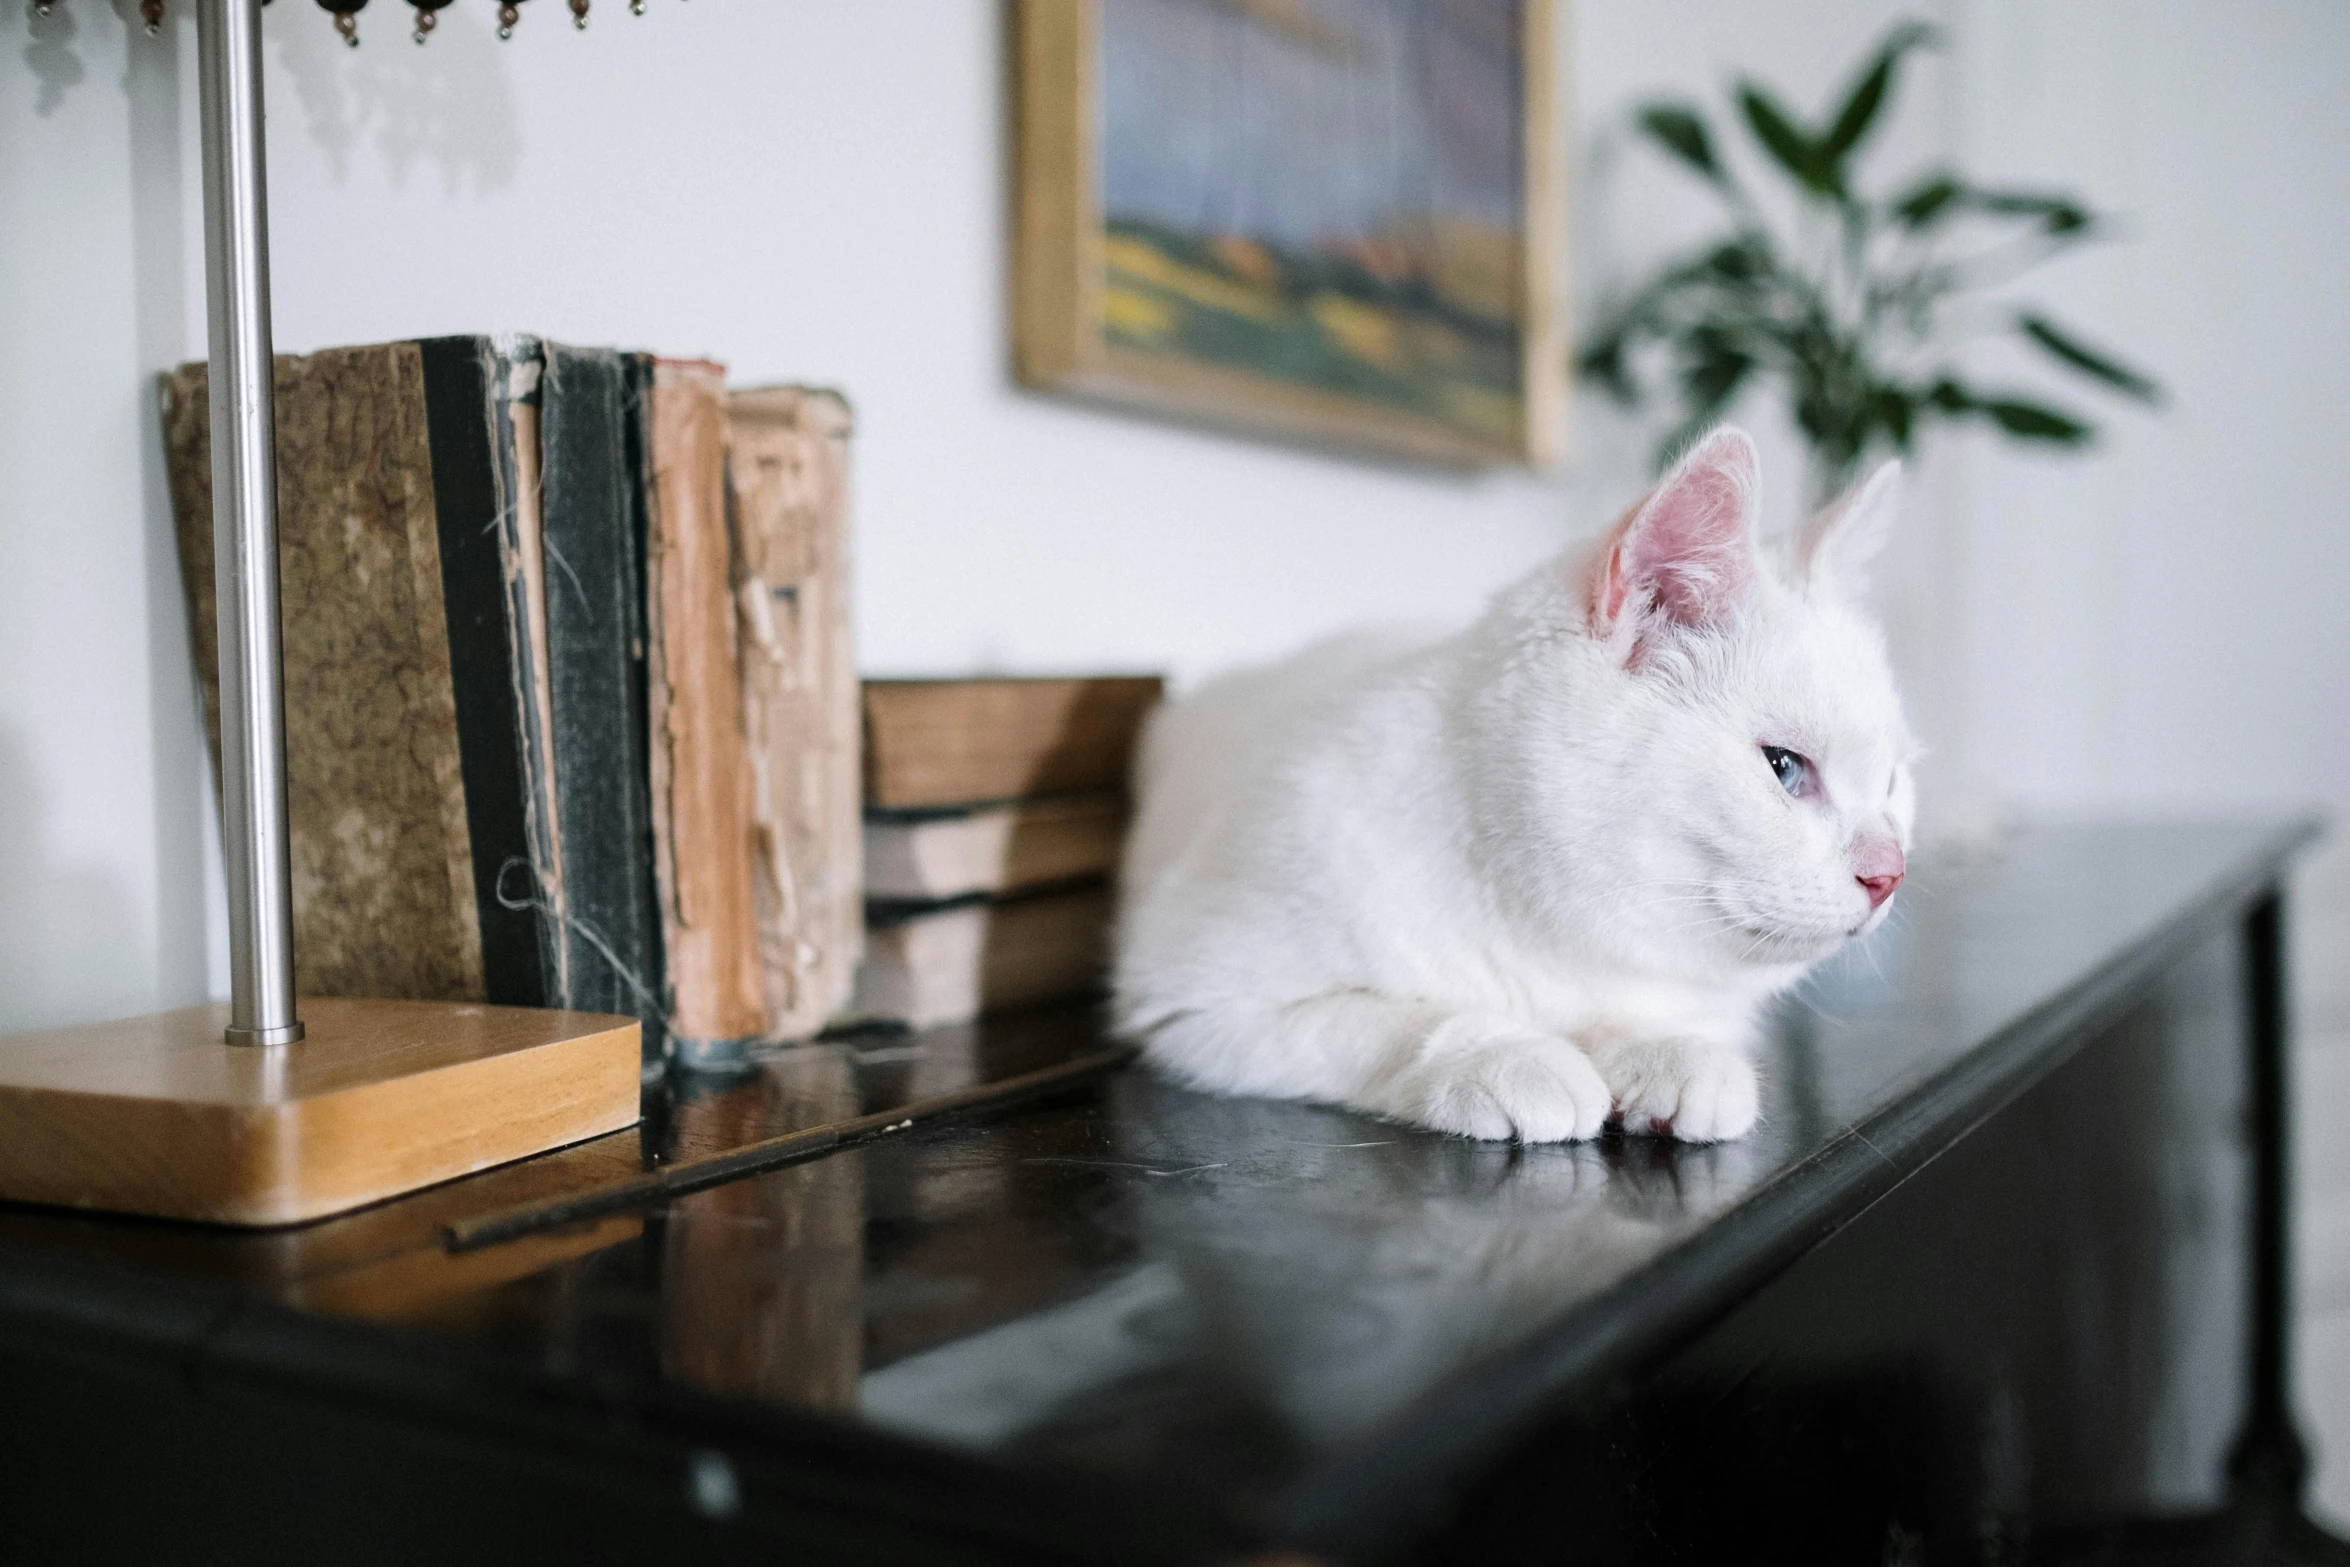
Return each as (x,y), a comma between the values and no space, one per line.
(1712,740)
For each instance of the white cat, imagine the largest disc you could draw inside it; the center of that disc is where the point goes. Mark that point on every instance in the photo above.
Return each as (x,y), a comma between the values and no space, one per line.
(1544,872)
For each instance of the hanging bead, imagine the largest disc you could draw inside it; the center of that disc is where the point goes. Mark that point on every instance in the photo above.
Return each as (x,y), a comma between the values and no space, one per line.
(425,17)
(346,15)
(151,13)
(579,9)
(43,8)
(636,7)
(508,15)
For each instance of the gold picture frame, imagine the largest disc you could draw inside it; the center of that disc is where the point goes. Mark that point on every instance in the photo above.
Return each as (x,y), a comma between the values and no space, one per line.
(1391,347)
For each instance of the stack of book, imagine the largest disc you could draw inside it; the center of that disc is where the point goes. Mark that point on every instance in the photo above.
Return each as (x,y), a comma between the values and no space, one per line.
(571,698)
(994,815)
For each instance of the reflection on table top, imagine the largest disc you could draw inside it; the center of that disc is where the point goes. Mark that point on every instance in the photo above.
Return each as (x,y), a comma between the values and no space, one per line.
(1230,1299)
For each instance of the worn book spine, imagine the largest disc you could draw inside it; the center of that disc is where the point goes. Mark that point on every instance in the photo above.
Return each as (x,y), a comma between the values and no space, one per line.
(402,768)
(592,526)
(788,464)
(945,964)
(517,367)
(994,849)
(494,667)
(935,743)
(699,764)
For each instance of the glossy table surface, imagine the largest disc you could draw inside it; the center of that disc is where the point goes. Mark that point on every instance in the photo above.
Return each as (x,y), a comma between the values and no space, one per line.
(1275,1316)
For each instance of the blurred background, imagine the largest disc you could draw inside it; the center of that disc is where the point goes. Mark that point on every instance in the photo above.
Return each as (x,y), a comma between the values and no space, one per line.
(820,192)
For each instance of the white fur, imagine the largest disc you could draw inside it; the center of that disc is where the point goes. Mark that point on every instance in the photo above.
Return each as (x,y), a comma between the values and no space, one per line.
(1519,880)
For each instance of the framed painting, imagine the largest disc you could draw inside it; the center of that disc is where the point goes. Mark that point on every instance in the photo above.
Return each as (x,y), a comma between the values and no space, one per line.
(1332,220)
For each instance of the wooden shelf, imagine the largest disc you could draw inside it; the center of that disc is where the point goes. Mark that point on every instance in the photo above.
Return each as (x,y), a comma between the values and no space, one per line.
(157,1115)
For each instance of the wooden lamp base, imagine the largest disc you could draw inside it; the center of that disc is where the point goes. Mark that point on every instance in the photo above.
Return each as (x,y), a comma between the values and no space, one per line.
(159,1116)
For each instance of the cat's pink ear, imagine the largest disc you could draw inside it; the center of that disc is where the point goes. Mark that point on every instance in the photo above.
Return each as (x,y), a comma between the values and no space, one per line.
(1834,549)
(1685,551)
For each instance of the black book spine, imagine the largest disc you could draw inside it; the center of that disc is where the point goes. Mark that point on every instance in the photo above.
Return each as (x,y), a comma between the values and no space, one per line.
(637,453)
(461,390)
(591,488)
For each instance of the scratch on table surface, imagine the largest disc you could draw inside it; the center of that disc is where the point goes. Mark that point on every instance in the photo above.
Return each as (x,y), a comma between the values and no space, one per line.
(885,1055)
(1873,1148)
(1124,1164)
(1384,1142)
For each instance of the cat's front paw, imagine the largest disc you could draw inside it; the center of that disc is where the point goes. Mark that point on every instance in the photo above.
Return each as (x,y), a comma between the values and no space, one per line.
(1685,1088)
(1530,1088)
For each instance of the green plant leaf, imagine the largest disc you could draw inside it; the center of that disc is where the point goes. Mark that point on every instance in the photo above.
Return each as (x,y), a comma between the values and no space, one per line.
(1681,131)
(1860,107)
(1735,262)
(1943,194)
(1710,383)
(1784,141)
(1949,397)
(2068,348)
(1602,360)
(1928,201)
(2057,214)
(1895,410)
(2035,421)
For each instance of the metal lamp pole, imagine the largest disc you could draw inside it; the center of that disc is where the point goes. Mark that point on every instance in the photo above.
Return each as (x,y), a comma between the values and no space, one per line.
(244,527)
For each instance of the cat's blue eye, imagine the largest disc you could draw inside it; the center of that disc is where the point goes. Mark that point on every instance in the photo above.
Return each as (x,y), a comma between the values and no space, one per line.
(1792,770)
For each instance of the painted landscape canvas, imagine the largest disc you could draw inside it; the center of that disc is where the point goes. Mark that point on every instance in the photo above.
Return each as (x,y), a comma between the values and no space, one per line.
(1310,215)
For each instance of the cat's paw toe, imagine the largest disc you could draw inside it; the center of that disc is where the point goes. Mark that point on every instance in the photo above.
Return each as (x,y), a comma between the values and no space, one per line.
(1533,1090)
(1684,1088)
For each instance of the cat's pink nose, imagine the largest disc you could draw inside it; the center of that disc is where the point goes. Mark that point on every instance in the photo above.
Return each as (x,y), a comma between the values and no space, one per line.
(1878,865)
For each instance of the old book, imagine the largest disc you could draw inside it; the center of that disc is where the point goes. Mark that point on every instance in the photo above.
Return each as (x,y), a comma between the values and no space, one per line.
(418,783)
(592,519)
(943,964)
(788,464)
(994,849)
(698,760)
(512,369)
(961,742)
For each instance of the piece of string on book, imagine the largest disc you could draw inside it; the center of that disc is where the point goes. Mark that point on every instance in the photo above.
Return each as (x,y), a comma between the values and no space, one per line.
(534,899)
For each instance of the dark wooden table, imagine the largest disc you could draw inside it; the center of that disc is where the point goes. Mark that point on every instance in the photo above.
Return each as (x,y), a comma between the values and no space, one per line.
(2001,1276)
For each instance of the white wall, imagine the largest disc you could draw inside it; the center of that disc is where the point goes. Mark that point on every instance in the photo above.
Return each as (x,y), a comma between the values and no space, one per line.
(2164,626)
(102,823)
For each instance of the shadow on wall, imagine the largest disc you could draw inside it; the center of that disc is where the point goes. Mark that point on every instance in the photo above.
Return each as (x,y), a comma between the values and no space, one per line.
(450,105)
(159,223)
(66,930)
(51,57)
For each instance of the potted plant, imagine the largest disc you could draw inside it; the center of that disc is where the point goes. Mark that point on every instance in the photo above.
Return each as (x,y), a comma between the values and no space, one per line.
(1854,315)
